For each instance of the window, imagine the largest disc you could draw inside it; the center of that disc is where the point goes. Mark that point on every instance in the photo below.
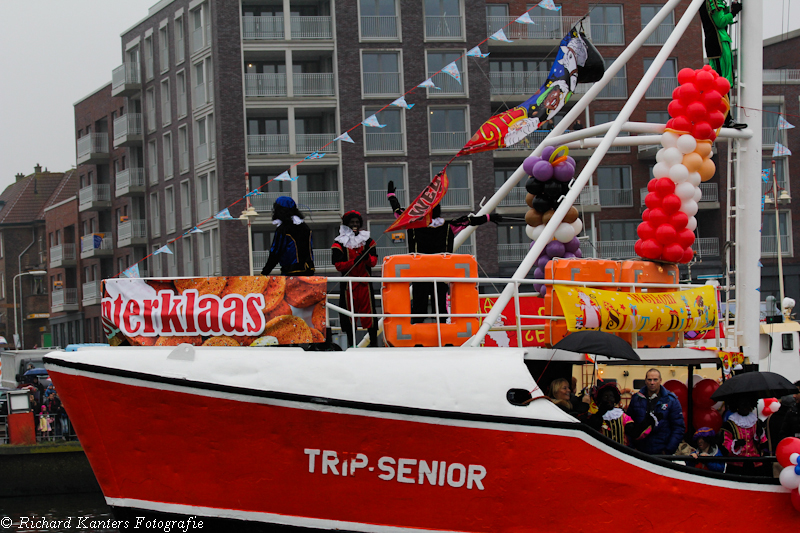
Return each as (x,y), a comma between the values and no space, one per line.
(659,36)
(150,107)
(769,241)
(617,87)
(172,263)
(378,177)
(183,147)
(787,342)
(186,205)
(169,206)
(393,244)
(443,20)
(665,81)
(181,91)
(206,190)
(188,256)
(607,26)
(769,125)
(780,176)
(38,285)
(155,215)
(617,238)
(2,286)
(518,76)
(378,19)
(657,117)
(152,161)
(512,243)
(209,246)
(448,129)
(381,74)
(459,191)
(447,84)
(179,40)
(496,17)
(603,117)
(201,34)
(615,186)
(205,147)
(163,40)
(547,24)
(166,104)
(203,84)
(148,57)
(156,261)
(319,189)
(385,140)
(167,153)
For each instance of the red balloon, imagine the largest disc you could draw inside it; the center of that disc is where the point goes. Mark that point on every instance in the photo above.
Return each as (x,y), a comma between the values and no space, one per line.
(689,93)
(712,99)
(657,217)
(713,136)
(702,130)
(670,204)
(652,200)
(687,256)
(676,92)
(651,249)
(664,187)
(646,231)
(705,417)
(704,80)
(722,85)
(678,388)
(676,109)
(685,238)
(697,112)
(666,234)
(701,393)
(796,499)
(679,220)
(672,253)
(646,214)
(651,185)
(716,119)
(785,448)
(681,124)
(686,75)
(637,248)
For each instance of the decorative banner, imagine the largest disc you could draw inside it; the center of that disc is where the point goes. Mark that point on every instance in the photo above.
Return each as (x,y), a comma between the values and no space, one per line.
(765,175)
(549,4)
(780,150)
(783,124)
(452,70)
(690,310)
(372,122)
(525,18)
(500,35)
(401,102)
(344,137)
(528,305)
(224,215)
(476,52)
(428,84)
(195,230)
(253,192)
(316,155)
(132,272)
(284,176)
(730,360)
(163,250)
(215,311)
(418,213)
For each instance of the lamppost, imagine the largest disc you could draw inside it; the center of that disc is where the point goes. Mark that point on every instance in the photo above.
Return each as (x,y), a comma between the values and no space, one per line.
(246,217)
(14,288)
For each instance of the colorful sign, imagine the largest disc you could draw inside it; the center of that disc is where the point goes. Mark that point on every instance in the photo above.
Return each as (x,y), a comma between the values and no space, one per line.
(595,309)
(528,305)
(215,311)
(418,213)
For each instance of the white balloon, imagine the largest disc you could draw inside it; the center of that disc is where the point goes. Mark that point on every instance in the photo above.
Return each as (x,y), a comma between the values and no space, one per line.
(564,232)
(529,232)
(669,139)
(672,156)
(698,194)
(660,156)
(679,173)
(692,224)
(695,178)
(689,207)
(789,479)
(537,231)
(686,144)
(685,190)
(793,457)
(661,170)
(578,225)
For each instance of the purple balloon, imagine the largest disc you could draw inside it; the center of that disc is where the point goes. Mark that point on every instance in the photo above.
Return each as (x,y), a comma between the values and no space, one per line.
(572,245)
(578,253)
(564,172)
(569,255)
(529,162)
(543,291)
(538,274)
(547,152)
(543,260)
(542,171)
(571,161)
(538,287)
(554,249)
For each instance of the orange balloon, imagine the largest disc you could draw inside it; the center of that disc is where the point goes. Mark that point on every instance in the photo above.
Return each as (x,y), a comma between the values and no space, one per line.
(707,170)
(703,148)
(533,218)
(692,161)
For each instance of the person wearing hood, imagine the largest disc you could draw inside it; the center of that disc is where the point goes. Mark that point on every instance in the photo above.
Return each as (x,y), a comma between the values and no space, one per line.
(609,419)
(656,406)
(744,436)
(292,244)
(704,439)
(354,253)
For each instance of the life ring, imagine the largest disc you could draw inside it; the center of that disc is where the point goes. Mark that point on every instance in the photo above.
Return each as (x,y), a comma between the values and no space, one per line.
(398,330)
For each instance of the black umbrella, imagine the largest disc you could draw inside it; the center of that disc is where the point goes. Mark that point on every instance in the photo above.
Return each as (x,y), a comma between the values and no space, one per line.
(763,384)
(36,372)
(597,343)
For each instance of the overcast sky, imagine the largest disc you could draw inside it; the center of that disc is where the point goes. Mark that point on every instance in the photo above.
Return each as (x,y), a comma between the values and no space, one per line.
(55,52)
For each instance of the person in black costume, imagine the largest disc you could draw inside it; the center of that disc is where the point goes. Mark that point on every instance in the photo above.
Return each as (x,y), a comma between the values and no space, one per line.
(292,244)
(437,238)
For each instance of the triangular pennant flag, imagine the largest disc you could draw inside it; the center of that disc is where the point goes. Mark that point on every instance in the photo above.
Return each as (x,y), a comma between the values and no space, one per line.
(760,264)
(224,215)
(284,176)
(499,35)
(401,102)
(780,150)
(345,137)
(525,18)
(783,124)
(316,155)
(372,122)
(452,70)
(548,4)
(428,84)
(163,250)
(251,193)
(132,272)
(195,230)
(476,52)
(765,175)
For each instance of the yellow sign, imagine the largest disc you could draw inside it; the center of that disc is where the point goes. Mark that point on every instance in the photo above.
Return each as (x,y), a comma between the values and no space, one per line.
(38,315)
(595,309)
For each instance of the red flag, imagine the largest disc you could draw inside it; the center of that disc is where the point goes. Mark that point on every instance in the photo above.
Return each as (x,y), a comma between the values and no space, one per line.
(418,213)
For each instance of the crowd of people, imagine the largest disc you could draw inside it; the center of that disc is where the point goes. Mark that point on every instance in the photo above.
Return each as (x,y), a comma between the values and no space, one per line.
(50,417)
(653,423)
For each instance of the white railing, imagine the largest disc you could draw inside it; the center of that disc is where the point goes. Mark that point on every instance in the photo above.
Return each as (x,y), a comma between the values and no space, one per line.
(616,249)
(148,65)
(379,27)
(512,253)
(64,297)
(590,195)
(448,141)
(166,112)
(266,28)
(709,192)
(93,143)
(447,85)
(543,27)
(311,27)
(515,197)
(92,291)
(318,200)
(616,197)
(128,72)
(99,192)
(661,88)
(769,245)
(443,27)
(313,84)
(204,210)
(661,34)
(184,161)
(179,51)
(268,144)
(769,185)
(171,221)
(263,201)
(381,83)
(186,216)
(181,104)
(378,141)
(377,199)
(152,171)
(155,225)
(199,95)
(781,75)
(151,117)
(772,135)
(89,243)
(128,124)
(132,229)
(608,34)
(706,247)
(130,177)
(516,82)
(307,143)
(201,153)
(62,252)
(617,88)
(265,84)
(386,251)
(163,57)
(169,170)
(457,197)
(201,37)
(528,143)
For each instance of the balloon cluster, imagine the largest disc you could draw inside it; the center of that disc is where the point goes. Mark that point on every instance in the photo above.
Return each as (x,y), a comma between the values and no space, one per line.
(549,180)
(668,223)
(704,412)
(788,452)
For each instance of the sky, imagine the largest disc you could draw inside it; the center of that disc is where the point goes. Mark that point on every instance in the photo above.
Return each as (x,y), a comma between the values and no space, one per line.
(56,52)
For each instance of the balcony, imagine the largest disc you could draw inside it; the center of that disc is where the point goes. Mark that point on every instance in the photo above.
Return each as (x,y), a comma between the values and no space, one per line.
(543,28)
(92,293)
(377,142)
(308,143)
(318,200)
(661,34)
(313,84)
(63,256)
(311,28)
(647,152)
(447,84)
(661,88)
(458,198)
(381,83)
(93,149)
(447,141)
(267,28)
(201,38)
(126,80)
(265,85)
(708,200)
(444,28)
(616,197)
(781,76)
(377,202)
(617,88)
(94,197)
(772,135)
(97,245)
(262,202)
(512,253)
(128,130)
(588,201)
(525,83)
(380,28)
(64,301)
(616,249)
(706,247)
(203,94)
(132,233)
(272,144)
(322,260)
(608,34)
(528,144)
(769,246)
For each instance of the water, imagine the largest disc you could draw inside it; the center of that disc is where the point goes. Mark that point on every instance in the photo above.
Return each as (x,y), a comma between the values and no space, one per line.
(87,510)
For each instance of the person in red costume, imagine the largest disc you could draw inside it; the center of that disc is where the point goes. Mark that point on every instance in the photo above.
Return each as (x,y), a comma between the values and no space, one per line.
(354,254)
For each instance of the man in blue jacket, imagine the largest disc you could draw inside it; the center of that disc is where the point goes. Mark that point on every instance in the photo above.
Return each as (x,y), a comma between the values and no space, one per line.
(654,405)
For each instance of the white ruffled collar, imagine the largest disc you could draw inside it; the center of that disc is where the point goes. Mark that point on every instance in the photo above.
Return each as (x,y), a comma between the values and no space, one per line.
(613,414)
(746,421)
(436,222)
(296,220)
(350,240)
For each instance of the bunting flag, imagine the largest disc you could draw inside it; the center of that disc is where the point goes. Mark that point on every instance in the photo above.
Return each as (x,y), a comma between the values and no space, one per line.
(132,272)
(780,150)
(251,193)
(345,137)
(525,18)
(284,176)
(760,264)
(195,230)
(224,215)
(548,4)
(476,52)
(500,35)
(316,155)
(401,102)
(418,213)
(428,84)
(164,250)
(452,70)
(783,124)
(765,175)
(372,122)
